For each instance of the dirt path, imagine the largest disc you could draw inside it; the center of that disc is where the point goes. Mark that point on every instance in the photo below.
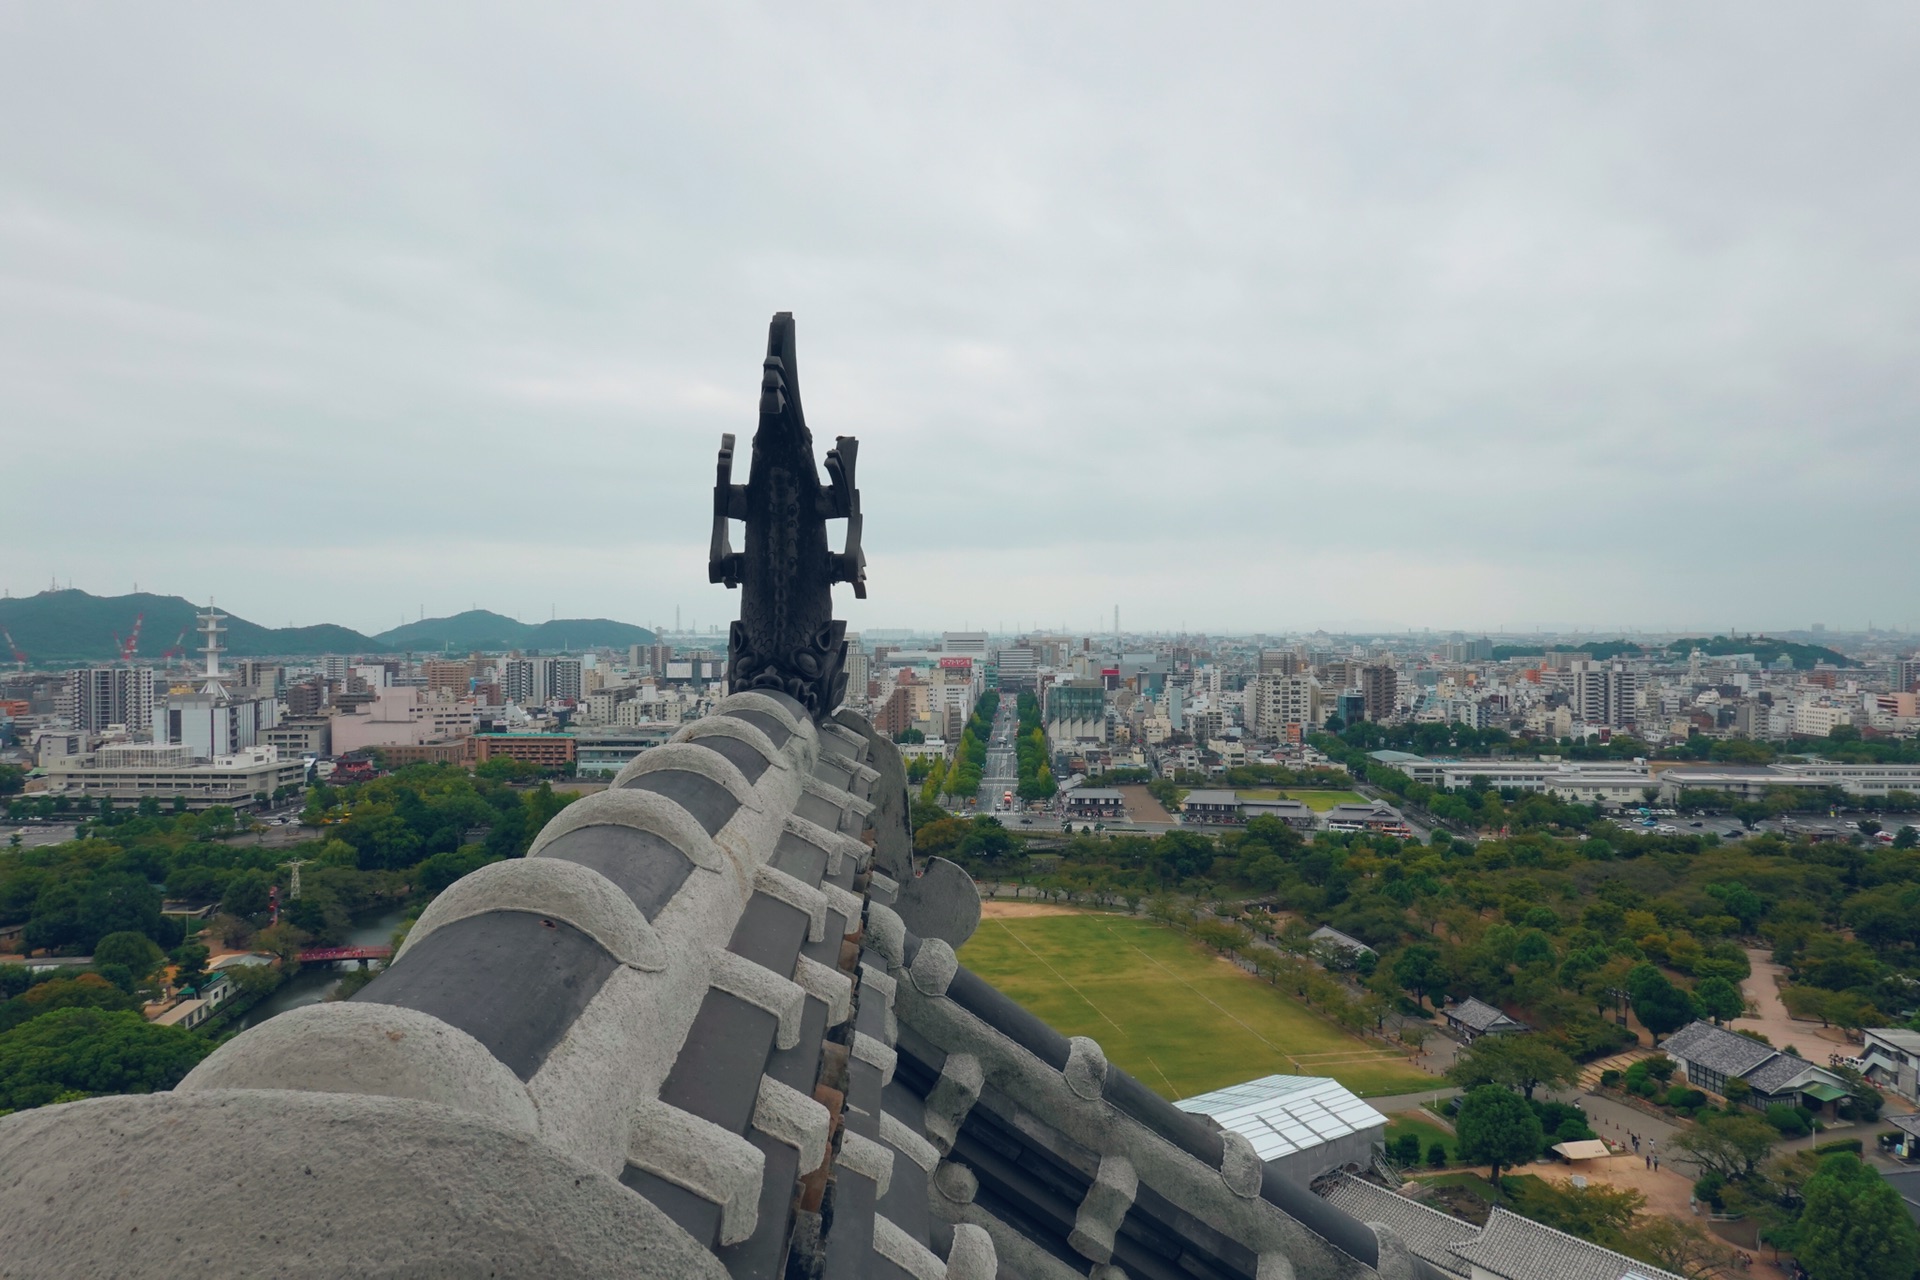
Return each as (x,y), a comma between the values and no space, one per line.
(992,909)
(1762,989)
(1142,807)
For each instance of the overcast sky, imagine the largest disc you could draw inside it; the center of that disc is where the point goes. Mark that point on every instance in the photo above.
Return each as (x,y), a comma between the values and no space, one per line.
(1256,317)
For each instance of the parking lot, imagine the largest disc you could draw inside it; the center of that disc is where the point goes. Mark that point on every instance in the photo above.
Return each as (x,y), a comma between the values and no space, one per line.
(1792,826)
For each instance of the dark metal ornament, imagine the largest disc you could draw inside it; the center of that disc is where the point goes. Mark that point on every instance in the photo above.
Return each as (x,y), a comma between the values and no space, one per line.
(787,639)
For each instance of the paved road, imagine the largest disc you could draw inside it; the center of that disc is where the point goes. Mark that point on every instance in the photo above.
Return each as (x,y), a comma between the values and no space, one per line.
(1002,773)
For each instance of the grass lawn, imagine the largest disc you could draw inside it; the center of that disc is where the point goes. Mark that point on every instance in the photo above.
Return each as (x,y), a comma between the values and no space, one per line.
(1318,801)
(1430,1133)
(1178,1018)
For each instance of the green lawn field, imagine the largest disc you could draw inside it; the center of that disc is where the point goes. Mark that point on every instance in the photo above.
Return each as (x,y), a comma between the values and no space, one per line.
(1318,801)
(1168,1011)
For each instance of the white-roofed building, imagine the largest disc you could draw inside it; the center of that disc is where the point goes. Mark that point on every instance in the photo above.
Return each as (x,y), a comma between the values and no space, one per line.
(1301,1126)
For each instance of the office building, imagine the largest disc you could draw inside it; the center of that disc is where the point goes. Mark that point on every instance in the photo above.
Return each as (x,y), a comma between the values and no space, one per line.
(130,774)
(1604,693)
(1276,701)
(455,677)
(403,717)
(970,643)
(1075,711)
(1379,691)
(1280,662)
(100,696)
(298,737)
(547,750)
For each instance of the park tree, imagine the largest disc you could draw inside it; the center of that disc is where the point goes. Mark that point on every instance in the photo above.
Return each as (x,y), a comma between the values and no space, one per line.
(1497,1128)
(1730,1145)
(1855,1226)
(1421,973)
(1661,1007)
(1719,999)
(190,962)
(1520,1062)
(136,951)
(92,1051)
(247,894)
(84,991)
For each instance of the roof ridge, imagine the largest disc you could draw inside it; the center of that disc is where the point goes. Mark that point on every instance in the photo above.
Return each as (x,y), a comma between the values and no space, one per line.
(1502,1211)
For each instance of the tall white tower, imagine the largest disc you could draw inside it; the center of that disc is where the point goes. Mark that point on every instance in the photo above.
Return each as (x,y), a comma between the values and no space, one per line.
(210,627)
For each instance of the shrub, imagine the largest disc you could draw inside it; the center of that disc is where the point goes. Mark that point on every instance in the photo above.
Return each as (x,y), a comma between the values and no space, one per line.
(1609,1079)
(1708,1190)
(1838,1144)
(1660,1067)
(1644,1087)
(1406,1149)
(1437,1155)
(1790,1121)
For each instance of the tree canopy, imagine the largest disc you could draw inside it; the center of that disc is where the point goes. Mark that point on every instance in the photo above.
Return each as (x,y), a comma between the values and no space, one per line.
(1496,1127)
(92,1051)
(1855,1226)
(1521,1062)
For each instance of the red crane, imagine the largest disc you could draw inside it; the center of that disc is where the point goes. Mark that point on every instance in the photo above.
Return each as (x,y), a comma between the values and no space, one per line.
(132,641)
(18,656)
(178,649)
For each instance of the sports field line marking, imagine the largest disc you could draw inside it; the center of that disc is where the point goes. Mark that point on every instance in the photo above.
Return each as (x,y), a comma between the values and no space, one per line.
(1210,1000)
(1088,1000)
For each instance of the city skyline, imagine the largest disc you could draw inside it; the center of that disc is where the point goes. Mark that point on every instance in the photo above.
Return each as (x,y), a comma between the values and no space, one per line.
(685,623)
(1450,318)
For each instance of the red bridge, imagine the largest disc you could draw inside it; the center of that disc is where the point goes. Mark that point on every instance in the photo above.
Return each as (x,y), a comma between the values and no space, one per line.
(325,955)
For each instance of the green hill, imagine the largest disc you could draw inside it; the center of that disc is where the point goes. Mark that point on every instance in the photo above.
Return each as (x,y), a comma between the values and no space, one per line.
(1764,648)
(66,628)
(485,630)
(58,628)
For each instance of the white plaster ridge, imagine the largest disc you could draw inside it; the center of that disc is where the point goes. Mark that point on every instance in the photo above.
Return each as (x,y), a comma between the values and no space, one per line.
(834,844)
(646,811)
(933,967)
(553,888)
(846,904)
(377,1049)
(879,981)
(763,988)
(790,1116)
(830,986)
(876,1054)
(887,934)
(903,1251)
(895,1134)
(796,893)
(685,757)
(720,1167)
(1086,1069)
(865,1156)
(972,1255)
(740,731)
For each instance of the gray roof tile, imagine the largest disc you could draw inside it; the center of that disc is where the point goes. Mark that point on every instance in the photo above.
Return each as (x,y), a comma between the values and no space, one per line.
(1517,1248)
(1428,1232)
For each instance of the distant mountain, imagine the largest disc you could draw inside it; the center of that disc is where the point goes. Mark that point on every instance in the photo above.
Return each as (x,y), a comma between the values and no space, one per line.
(485,630)
(65,628)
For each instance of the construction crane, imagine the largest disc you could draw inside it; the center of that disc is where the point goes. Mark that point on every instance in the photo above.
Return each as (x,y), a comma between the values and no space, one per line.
(132,641)
(178,649)
(18,656)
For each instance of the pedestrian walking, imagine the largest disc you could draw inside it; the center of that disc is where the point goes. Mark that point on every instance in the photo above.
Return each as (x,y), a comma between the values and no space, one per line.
(1649,1160)
(1656,1164)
